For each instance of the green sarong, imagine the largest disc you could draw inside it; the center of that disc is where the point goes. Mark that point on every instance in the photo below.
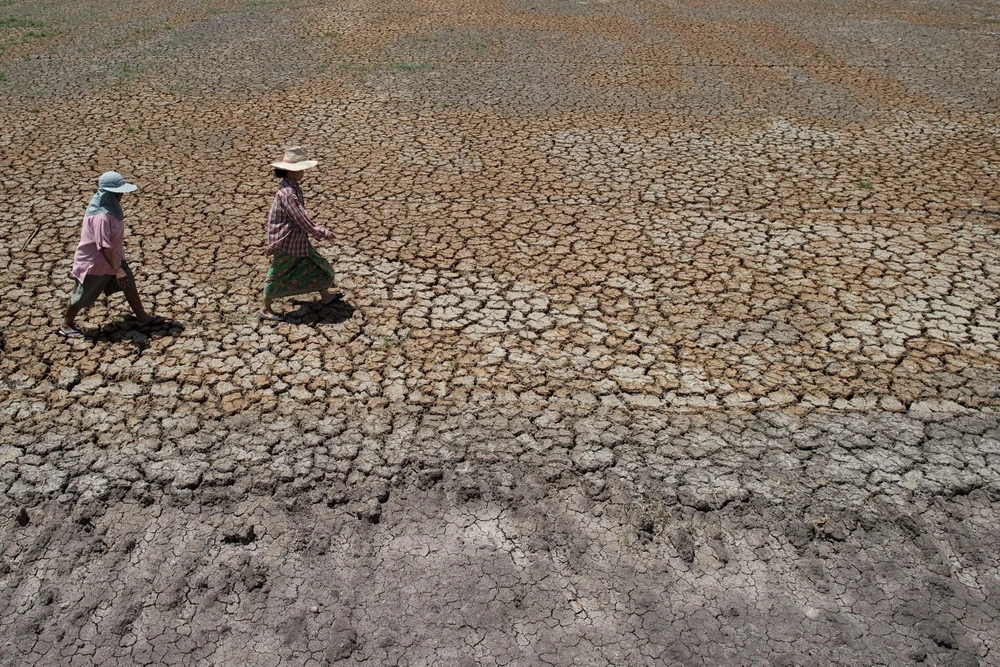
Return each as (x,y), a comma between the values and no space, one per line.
(290,275)
(85,294)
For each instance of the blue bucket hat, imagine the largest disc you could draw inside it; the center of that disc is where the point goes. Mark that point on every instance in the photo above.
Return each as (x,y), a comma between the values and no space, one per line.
(112,181)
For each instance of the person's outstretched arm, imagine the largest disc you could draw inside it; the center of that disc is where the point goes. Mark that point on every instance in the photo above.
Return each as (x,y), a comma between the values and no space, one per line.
(297,212)
(106,245)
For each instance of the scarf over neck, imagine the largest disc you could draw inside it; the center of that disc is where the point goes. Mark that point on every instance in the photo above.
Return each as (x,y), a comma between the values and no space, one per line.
(105,202)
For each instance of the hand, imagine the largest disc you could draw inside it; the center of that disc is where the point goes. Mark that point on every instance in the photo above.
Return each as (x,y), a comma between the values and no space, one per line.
(122,277)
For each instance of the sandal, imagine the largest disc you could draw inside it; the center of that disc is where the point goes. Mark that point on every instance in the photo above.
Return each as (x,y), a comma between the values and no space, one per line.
(270,317)
(73,333)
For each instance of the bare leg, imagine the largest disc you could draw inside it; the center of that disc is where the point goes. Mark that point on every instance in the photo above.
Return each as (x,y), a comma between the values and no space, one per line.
(70,317)
(135,303)
(266,308)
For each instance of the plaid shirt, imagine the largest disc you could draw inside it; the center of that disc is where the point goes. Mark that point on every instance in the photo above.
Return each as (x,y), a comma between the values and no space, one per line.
(288,226)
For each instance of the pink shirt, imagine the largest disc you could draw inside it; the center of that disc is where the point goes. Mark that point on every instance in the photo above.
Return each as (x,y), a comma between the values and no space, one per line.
(99,231)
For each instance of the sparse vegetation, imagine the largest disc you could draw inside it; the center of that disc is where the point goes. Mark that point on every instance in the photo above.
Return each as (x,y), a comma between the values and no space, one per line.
(356,70)
(35,34)
(479,46)
(15,23)
(413,67)
(128,73)
(138,35)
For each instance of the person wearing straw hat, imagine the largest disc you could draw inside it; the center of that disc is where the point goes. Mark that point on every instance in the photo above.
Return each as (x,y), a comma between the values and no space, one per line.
(296,268)
(99,265)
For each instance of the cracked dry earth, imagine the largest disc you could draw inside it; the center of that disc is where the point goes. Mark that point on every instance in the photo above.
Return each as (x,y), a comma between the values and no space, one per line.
(670,335)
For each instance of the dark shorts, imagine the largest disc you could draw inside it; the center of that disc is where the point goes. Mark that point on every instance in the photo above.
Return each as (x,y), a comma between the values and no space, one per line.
(86,293)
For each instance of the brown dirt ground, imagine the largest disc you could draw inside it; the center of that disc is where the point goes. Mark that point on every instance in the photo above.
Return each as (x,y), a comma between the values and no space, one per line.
(669,337)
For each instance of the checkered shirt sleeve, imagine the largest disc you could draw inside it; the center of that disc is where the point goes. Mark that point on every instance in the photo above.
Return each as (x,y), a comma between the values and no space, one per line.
(288,226)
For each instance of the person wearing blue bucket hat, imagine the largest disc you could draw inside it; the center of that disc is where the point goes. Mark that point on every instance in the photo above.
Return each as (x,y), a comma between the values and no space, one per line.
(99,265)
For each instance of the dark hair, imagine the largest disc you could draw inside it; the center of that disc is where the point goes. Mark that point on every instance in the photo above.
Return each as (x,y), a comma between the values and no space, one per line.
(280,173)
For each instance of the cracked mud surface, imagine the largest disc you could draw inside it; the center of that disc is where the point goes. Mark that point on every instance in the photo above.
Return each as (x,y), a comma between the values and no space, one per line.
(670,335)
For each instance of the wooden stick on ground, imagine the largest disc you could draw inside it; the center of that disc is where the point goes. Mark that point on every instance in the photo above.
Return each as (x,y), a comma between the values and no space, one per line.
(32,237)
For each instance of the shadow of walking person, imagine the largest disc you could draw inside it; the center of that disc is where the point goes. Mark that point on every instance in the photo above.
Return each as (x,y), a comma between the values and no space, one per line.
(139,336)
(315,313)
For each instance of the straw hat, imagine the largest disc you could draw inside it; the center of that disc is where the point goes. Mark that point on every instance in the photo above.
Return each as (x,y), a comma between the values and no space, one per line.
(294,160)
(112,181)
